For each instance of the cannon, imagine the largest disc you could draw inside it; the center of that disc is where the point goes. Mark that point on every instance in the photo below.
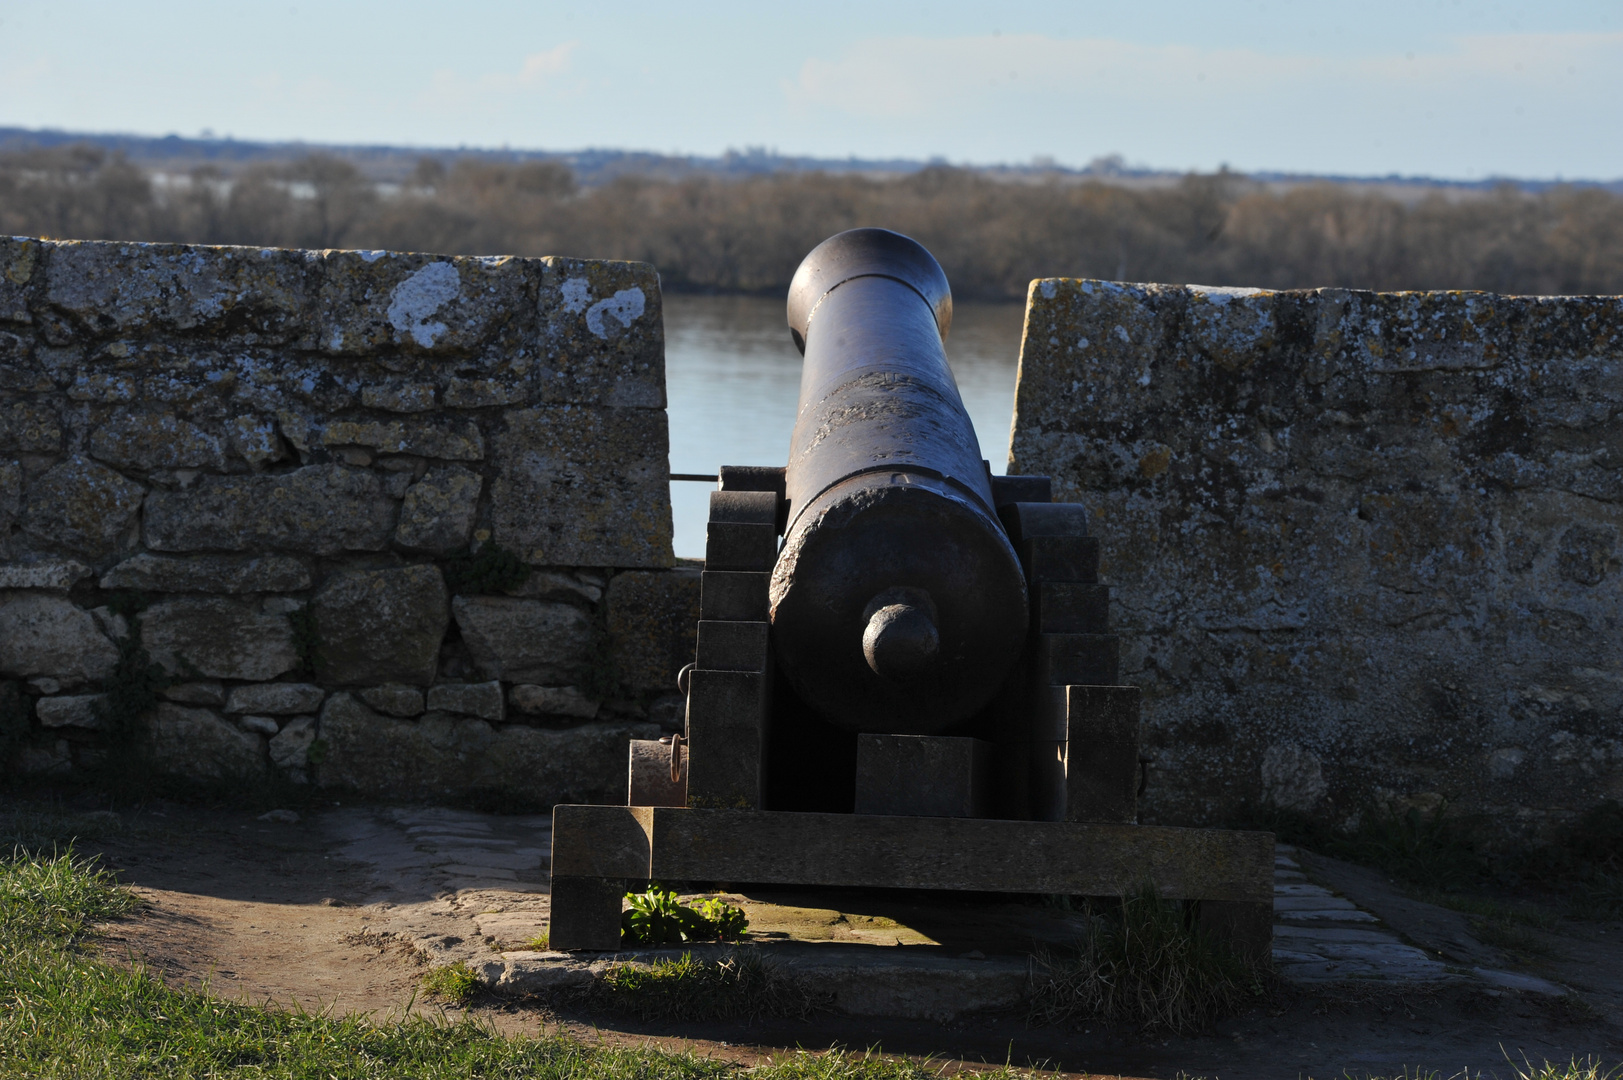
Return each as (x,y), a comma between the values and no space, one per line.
(897,602)
(903,674)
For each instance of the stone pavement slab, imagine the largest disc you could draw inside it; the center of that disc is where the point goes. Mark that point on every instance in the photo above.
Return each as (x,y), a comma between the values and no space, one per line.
(458,885)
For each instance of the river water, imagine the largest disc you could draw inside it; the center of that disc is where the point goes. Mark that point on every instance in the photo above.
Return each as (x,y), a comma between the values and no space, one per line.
(733,379)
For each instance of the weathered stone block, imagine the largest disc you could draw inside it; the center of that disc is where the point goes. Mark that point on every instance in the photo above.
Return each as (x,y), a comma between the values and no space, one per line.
(58,575)
(381,625)
(605,331)
(275,699)
(583,486)
(78,710)
(552,701)
(52,758)
(259,725)
(195,693)
(19,258)
(554,585)
(524,640)
(440,756)
(371,300)
(437,514)
(290,747)
(146,441)
(48,635)
(319,509)
(199,745)
(254,439)
(1293,778)
(483,700)
(221,639)
(400,397)
(1346,533)
(82,506)
(447,439)
(11,495)
(394,699)
(652,618)
(30,428)
(209,573)
(121,288)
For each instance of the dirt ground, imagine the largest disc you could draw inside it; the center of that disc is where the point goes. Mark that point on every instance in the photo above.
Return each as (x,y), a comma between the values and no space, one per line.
(274,912)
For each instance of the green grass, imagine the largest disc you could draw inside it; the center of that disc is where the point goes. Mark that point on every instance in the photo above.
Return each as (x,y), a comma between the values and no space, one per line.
(1427,849)
(1439,855)
(35,829)
(737,986)
(55,899)
(1143,964)
(1588,1069)
(1488,909)
(1514,938)
(64,1013)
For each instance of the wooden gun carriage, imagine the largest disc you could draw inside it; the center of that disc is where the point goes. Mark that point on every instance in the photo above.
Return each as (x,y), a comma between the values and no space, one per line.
(904,675)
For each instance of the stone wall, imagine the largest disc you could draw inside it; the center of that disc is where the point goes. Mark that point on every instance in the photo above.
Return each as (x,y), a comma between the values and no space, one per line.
(277,455)
(1364,547)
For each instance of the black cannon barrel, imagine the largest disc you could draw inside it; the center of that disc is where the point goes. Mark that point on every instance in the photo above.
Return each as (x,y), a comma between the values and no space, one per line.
(898,605)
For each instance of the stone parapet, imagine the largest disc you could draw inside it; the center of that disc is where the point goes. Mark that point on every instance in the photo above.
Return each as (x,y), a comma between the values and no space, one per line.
(1364,547)
(276,456)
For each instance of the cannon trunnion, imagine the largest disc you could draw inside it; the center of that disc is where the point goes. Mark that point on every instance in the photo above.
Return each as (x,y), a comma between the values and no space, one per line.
(918,688)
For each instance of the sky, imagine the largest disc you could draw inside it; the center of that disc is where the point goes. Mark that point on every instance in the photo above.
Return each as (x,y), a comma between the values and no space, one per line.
(1448,88)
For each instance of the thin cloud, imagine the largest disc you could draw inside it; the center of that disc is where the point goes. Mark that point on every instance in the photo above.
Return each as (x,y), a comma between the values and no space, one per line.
(542,66)
(18,76)
(537,71)
(917,77)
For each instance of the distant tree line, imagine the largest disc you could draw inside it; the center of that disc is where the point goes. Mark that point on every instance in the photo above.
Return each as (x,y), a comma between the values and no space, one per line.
(729,235)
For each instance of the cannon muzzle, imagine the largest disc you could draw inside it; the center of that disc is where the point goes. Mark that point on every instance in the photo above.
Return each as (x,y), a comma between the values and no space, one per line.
(898,605)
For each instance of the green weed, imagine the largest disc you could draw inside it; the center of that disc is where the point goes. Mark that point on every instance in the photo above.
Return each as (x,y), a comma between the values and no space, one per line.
(729,921)
(656,917)
(738,986)
(1142,963)
(1512,937)
(454,983)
